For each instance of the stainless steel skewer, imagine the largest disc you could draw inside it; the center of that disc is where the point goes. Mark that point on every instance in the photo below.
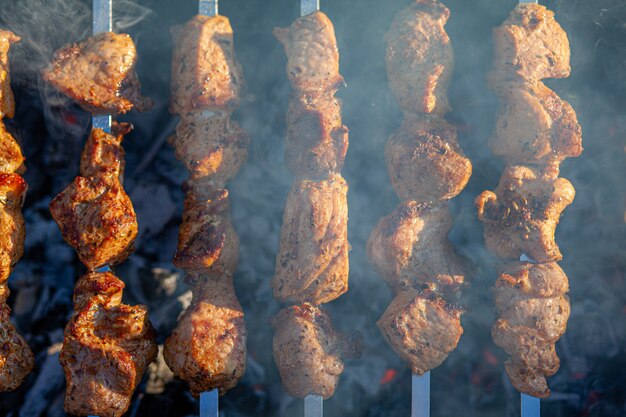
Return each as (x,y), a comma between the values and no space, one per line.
(530,405)
(420,395)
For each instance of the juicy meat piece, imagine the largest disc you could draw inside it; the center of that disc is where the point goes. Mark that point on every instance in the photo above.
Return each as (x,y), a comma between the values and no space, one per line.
(16,358)
(103,154)
(206,238)
(317,140)
(97,218)
(422,329)
(425,162)
(205,73)
(208,347)
(312,54)
(530,45)
(532,315)
(520,216)
(211,146)
(410,248)
(11,158)
(308,351)
(107,348)
(534,125)
(12,233)
(419,57)
(312,263)
(99,74)
(7,101)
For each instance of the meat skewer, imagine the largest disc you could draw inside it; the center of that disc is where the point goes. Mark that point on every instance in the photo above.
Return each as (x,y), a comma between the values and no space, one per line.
(409,248)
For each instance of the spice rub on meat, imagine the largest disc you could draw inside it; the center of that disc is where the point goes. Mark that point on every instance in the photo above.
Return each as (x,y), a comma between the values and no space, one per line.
(7,100)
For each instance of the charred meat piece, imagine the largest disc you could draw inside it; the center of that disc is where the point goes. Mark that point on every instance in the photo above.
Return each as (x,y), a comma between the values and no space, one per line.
(410,248)
(532,315)
(12,233)
(16,357)
(103,154)
(11,158)
(317,140)
(7,101)
(312,263)
(530,45)
(419,58)
(425,162)
(534,125)
(312,54)
(206,238)
(99,74)
(107,348)
(520,216)
(211,146)
(421,328)
(308,351)
(208,347)
(205,72)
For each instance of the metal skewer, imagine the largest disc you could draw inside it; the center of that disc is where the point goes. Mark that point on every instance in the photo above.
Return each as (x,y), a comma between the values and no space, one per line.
(420,395)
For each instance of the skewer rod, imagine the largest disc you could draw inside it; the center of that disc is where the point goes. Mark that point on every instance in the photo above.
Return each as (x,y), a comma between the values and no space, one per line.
(209,401)
(313,406)
(420,395)
(529,1)
(207,7)
(309,6)
(102,22)
(530,406)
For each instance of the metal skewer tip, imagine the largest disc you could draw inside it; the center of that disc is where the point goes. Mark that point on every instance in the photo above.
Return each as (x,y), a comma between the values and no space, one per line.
(530,406)
(208,7)
(209,401)
(420,395)
(313,406)
(309,6)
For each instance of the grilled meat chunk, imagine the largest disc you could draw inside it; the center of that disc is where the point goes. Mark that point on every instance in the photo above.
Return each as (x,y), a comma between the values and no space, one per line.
(312,263)
(205,72)
(534,125)
(421,328)
(103,154)
(419,58)
(99,74)
(317,140)
(11,158)
(107,348)
(16,358)
(530,45)
(520,216)
(12,233)
(7,101)
(308,351)
(208,347)
(211,146)
(410,248)
(312,54)
(425,162)
(532,315)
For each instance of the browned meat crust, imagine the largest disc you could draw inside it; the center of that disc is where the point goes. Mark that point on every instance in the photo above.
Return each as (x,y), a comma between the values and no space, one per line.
(99,74)
(425,162)
(205,73)
(11,158)
(532,315)
(312,263)
(107,348)
(208,347)
(308,351)
(419,58)
(7,101)
(16,358)
(520,216)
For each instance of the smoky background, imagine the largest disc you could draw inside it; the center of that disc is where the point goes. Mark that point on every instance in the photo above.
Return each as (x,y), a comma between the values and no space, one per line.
(52,131)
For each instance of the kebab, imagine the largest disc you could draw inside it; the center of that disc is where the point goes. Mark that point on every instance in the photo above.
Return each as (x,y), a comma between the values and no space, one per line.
(16,359)
(535,131)
(427,167)
(312,262)
(208,347)
(108,345)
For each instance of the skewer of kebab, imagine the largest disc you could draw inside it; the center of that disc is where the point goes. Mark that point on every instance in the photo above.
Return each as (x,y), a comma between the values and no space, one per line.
(16,357)
(409,248)
(312,262)
(108,345)
(535,131)
(208,347)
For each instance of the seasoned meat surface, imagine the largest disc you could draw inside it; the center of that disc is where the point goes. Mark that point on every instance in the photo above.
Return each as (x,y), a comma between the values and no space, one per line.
(16,357)
(425,162)
(520,216)
(107,348)
(11,158)
(308,351)
(419,57)
(208,347)
(312,262)
(7,101)
(421,328)
(103,154)
(410,248)
(532,315)
(312,54)
(530,45)
(205,73)
(12,233)
(534,125)
(99,74)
